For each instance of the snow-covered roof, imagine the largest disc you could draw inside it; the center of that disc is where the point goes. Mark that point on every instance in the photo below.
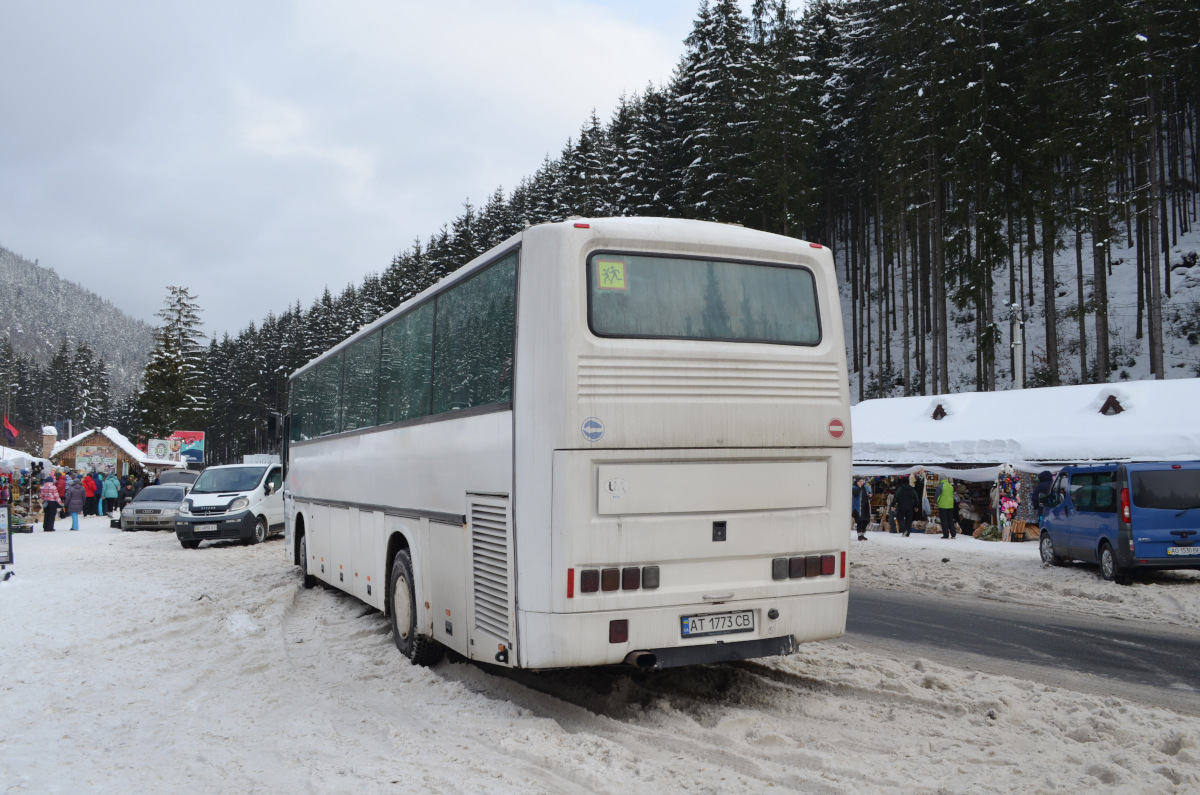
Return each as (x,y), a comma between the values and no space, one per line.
(120,440)
(1143,421)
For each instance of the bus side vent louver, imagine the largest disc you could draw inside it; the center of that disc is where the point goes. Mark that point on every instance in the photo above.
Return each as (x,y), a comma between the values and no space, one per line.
(491,565)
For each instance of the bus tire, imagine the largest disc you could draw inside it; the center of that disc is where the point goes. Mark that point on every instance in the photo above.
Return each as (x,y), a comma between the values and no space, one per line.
(422,650)
(309,581)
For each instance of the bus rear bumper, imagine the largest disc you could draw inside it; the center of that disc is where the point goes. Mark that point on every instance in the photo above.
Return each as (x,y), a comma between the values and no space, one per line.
(560,640)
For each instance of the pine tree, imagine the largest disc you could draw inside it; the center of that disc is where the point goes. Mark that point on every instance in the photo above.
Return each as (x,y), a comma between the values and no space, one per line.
(173,394)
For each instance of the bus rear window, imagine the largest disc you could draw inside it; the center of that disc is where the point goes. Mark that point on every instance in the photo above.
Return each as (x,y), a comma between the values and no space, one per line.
(1169,489)
(636,295)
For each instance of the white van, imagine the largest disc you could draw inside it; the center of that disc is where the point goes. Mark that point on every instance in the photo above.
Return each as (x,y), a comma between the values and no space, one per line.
(232,502)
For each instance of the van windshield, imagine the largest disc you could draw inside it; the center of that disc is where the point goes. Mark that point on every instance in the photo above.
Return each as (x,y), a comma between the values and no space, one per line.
(1169,489)
(228,479)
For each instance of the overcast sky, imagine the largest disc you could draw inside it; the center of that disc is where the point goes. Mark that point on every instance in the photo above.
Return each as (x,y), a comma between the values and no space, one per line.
(258,150)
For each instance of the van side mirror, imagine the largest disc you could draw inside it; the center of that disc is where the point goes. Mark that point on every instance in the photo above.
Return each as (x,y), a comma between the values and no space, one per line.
(270,489)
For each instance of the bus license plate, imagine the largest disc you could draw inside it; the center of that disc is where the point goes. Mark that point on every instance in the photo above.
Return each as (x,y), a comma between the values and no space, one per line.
(717,624)
(206,528)
(1183,550)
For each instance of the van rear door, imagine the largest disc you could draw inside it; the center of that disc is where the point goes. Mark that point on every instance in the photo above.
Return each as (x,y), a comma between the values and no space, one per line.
(1165,511)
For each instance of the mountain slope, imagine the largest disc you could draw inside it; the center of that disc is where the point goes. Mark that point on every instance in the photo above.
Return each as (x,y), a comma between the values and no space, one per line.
(39,310)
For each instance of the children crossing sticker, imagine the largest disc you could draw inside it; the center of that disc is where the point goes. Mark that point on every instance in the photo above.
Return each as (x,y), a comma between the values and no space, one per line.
(610,274)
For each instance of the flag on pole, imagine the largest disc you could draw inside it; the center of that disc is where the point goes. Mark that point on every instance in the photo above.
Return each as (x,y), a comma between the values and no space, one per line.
(10,431)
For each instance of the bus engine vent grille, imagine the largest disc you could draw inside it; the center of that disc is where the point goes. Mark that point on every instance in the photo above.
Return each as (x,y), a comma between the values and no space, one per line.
(490,565)
(704,379)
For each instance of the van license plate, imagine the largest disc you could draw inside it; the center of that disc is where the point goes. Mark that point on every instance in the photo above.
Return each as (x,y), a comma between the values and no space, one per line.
(717,624)
(206,528)
(1183,550)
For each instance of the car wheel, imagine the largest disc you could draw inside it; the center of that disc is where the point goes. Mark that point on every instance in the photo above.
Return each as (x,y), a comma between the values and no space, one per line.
(309,580)
(422,650)
(192,544)
(1109,569)
(260,531)
(1046,547)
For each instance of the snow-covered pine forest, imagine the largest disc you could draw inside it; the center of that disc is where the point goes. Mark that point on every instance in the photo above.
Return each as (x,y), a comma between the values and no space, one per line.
(959,158)
(65,352)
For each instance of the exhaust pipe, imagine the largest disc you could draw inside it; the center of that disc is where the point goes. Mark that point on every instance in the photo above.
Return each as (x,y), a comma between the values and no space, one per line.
(643,660)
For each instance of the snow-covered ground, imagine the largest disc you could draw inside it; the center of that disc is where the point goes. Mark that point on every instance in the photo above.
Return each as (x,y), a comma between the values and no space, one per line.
(128,664)
(1014,572)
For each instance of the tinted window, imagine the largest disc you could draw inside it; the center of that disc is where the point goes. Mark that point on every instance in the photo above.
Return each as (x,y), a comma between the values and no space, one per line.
(326,397)
(160,494)
(178,477)
(1171,489)
(361,384)
(407,357)
(473,342)
(647,296)
(1094,492)
(303,406)
(228,479)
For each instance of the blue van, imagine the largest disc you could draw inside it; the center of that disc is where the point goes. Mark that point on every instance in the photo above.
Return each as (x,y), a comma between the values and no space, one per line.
(1125,517)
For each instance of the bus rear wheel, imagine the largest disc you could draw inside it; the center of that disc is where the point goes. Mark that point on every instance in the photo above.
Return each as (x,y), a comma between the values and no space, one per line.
(422,650)
(309,580)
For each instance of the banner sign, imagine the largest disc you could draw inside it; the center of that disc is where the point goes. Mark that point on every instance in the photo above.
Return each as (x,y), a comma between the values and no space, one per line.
(98,457)
(6,550)
(164,449)
(191,447)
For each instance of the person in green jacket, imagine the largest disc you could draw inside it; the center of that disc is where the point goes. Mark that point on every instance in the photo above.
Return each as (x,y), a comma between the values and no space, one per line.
(945,504)
(112,488)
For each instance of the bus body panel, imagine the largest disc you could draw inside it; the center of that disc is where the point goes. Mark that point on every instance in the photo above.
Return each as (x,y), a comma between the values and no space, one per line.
(660,394)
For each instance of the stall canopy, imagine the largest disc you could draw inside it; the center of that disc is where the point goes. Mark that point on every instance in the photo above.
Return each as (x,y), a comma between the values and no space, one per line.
(1031,429)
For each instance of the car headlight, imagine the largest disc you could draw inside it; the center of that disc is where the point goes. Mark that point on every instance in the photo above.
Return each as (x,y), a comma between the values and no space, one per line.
(186,507)
(169,511)
(239,504)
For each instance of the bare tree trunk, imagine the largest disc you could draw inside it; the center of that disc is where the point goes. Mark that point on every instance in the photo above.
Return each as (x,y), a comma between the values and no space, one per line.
(942,335)
(1100,231)
(903,249)
(1083,371)
(1154,305)
(1049,241)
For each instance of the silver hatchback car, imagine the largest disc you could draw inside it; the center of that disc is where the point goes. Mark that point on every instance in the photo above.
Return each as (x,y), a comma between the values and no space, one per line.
(153,508)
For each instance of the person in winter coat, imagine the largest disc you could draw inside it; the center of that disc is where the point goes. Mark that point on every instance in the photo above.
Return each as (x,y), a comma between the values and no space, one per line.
(75,500)
(110,492)
(1041,492)
(906,505)
(126,496)
(861,503)
(98,480)
(60,482)
(945,505)
(50,504)
(89,492)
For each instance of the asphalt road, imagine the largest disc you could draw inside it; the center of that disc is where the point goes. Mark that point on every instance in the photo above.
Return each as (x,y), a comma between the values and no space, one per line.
(1152,663)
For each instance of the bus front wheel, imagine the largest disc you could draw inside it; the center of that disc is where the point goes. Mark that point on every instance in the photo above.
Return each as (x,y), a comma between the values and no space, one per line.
(422,650)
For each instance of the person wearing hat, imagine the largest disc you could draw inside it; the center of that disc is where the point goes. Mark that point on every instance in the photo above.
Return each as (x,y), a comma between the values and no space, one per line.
(50,503)
(75,499)
(861,507)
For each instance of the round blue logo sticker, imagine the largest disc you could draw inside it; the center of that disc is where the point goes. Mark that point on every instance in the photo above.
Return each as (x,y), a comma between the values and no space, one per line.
(592,429)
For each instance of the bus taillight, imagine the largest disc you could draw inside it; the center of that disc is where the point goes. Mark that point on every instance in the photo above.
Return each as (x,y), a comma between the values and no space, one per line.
(570,583)
(618,631)
(589,581)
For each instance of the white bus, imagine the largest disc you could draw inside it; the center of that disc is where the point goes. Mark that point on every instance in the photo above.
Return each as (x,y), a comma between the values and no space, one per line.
(611,440)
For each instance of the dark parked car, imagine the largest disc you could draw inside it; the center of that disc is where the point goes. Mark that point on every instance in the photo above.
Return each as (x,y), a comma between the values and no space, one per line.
(1126,517)
(184,477)
(153,508)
